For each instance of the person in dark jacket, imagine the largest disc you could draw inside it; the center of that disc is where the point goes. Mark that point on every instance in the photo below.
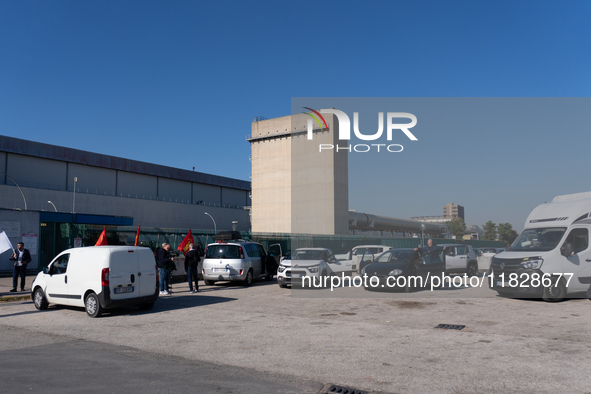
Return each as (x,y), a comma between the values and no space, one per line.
(192,259)
(430,252)
(21,258)
(165,262)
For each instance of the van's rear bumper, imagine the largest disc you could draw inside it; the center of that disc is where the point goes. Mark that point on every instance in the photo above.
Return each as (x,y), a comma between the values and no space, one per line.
(107,303)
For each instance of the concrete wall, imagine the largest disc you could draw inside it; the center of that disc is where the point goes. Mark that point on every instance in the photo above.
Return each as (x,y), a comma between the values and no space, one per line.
(142,186)
(94,179)
(233,197)
(271,176)
(148,213)
(28,223)
(296,188)
(319,203)
(2,167)
(36,172)
(207,193)
(174,190)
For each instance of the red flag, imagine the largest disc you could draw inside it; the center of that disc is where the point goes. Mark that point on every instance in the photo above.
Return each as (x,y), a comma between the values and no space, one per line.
(102,238)
(137,235)
(184,246)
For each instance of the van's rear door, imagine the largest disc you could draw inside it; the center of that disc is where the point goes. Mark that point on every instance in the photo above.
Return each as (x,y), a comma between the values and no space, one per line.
(123,274)
(146,273)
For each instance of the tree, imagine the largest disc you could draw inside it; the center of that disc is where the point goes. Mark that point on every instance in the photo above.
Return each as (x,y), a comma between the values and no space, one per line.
(506,233)
(490,231)
(457,227)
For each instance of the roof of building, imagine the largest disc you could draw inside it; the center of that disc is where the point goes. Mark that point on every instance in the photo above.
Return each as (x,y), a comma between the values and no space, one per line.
(54,152)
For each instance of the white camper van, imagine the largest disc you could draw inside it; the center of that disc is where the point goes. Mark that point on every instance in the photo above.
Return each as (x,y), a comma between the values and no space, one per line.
(98,278)
(551,258)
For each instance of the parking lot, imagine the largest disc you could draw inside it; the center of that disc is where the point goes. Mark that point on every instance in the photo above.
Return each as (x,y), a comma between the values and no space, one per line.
(383,342)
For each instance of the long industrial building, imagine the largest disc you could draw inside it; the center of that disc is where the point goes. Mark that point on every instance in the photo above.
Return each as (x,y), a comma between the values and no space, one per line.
(46,187)
(76,181)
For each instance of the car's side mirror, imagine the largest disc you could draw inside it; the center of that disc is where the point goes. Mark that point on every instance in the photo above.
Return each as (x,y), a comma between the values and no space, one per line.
(46,270)
(567,249)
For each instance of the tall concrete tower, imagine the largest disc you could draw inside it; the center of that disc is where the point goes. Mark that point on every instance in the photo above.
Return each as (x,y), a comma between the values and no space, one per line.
(296,188)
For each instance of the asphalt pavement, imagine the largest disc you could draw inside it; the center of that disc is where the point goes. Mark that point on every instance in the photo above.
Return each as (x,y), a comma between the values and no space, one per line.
(376,341)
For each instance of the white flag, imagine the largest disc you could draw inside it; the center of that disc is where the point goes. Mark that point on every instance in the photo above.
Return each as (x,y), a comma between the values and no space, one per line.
(5,243)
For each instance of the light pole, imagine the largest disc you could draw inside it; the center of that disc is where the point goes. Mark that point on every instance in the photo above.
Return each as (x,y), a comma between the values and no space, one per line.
(215,229)
(423,234)
(74,200)
(49,202)
(19,188)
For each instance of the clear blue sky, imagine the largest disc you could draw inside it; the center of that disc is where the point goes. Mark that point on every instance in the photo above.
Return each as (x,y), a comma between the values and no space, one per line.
(178,82)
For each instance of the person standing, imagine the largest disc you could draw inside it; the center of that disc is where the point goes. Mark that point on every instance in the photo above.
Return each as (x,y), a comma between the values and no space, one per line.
(199,249)
(192,259)
(165,261)
(430,252)
(21,258)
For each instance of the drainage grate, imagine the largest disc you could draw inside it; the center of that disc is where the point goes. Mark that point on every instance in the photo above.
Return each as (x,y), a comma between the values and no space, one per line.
(450,326)
(344,390)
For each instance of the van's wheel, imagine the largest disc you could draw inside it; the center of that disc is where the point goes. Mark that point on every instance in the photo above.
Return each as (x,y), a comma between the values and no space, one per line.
(147,306)
(554,293)
(209,282)
(472,269)
(40,300)
(505,294)
(93,305)
(248,281)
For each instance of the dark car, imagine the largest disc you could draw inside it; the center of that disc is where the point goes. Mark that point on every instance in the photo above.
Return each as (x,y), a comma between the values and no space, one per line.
(394,267)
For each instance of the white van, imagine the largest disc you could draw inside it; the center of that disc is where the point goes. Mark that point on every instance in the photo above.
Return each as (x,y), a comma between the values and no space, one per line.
(551,258)
(98,278)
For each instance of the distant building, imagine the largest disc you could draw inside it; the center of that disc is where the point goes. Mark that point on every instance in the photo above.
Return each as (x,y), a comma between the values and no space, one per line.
(453,210)
(450,211)
(432,219)
(473,232)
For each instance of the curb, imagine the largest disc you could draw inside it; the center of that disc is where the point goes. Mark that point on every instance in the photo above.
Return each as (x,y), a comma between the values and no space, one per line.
(26,297)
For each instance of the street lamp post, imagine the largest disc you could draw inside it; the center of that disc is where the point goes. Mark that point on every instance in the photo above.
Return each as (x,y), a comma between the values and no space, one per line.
(423,234)
(74,200)
(18,187)
(215,229)
(49,202)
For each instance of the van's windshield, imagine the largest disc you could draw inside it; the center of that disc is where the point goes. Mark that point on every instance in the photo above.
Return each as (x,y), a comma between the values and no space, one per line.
(223,252)
(538,239)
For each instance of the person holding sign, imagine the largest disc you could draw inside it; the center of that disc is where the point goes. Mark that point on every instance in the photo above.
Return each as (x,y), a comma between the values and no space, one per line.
(21,258)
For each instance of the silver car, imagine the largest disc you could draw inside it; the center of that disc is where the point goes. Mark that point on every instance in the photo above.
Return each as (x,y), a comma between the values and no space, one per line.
(236,261)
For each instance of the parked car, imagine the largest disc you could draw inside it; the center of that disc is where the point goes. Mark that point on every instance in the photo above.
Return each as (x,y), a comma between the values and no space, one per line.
(489,251)
(236,260)
(309,262)
(459,259)
(362,255)
(405,263)
(98,278)
(553,247)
